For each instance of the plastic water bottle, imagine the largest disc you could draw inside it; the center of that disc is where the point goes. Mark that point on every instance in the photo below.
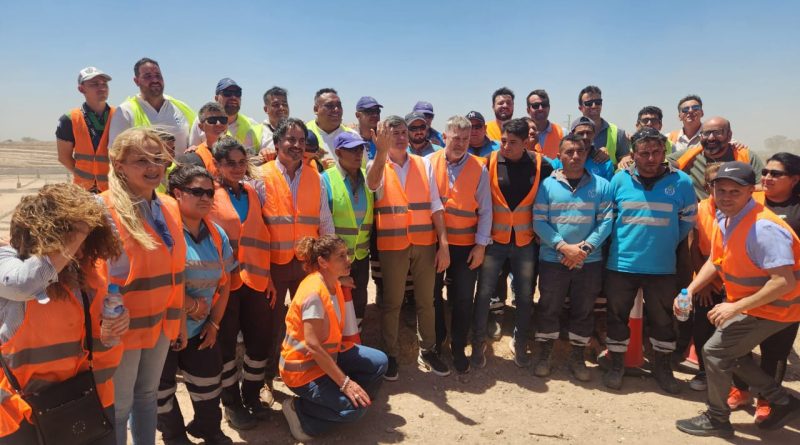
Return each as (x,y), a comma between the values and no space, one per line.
(684,305)
(112,308)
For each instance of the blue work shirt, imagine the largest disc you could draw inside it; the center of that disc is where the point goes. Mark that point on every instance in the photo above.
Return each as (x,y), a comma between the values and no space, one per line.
(486,149)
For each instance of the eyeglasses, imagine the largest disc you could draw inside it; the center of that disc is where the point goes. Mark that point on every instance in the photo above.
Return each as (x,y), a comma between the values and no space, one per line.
(685,110)
(216,120)
(773,173)
(539,105)
(417,128)
(650,120)
(332,106)
(199,192)
(477,126)
(231,93)
(705,134)
(234,164)
(593,102)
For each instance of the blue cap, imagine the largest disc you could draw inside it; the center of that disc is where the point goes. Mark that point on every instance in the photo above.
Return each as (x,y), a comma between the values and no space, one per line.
(312,143)
(367,102)
(423,107)
(348,140)
(226,83)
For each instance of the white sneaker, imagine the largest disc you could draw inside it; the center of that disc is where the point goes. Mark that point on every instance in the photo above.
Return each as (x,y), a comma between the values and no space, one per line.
(294,421)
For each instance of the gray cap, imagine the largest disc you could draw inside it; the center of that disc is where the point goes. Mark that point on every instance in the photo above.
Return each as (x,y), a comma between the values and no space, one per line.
(414,116)
(583,120)
(89,73)
(738,172)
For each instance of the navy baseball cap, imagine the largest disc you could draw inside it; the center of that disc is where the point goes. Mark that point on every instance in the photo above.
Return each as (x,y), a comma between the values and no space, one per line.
(226,83)
(312,143)
(474,115)
(367,102)
(423,107)
(738,172)
(348,140)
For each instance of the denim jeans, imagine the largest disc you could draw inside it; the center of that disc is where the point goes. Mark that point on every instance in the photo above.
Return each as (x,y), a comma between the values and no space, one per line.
(136,392)
(321,405)
(523,280)
(460,297)
(582,285)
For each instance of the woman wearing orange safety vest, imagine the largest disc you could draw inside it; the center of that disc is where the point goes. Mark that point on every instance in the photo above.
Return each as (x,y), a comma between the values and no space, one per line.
(48,272)
(149,273)
(335,380)
(237,209)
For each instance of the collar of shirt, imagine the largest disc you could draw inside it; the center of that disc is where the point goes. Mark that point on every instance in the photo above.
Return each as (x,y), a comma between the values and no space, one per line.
(458,163)
(634,172)
(391,162)
(682,138)
(155,203)
(359,178)
(559,176)
(421,152)
(734,220)
(202,235)
(543,134)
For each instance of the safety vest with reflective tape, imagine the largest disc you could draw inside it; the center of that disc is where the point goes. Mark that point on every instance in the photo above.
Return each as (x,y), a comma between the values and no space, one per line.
(521,218)
(742,278)
(551,141)
(687,158)
(287,225)
(403,214)
(91,166)
(345,217)
(153,292)
(706,220)
(245,125)
(204,152)
(296,365)
(460,205)
(140,119)
(249,238)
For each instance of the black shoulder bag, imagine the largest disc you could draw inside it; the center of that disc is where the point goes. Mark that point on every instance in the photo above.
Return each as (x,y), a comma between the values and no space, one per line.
(69,411)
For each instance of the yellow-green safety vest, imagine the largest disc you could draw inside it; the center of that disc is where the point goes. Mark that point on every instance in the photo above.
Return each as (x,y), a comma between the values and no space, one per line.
(611,143)
(245,125)
(140,118)
(344,216)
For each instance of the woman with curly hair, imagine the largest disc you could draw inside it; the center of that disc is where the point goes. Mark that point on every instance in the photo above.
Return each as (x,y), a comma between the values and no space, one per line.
(149,273)
(59,238)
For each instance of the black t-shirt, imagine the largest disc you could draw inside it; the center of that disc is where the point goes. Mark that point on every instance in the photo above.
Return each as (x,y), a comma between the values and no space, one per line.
(516,178)
(789,211)
(574,182)
(95,122)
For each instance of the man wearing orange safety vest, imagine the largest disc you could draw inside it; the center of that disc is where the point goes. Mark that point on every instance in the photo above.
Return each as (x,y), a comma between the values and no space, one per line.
(514,177)
(550,133)
(690,113)
(295,208)
(503,107)
(758,257)
(213,122)
(82,133)
(463,183)
(409,220)
(715,146)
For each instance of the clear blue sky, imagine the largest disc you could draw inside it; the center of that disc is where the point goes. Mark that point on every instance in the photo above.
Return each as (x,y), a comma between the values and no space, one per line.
(742,58)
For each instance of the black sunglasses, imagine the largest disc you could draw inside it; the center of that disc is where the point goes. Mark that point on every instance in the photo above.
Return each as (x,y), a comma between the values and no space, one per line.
(216,120)
(773,173)
(539,105)
(232,93)
(198,192)
(685,110)
(593,102)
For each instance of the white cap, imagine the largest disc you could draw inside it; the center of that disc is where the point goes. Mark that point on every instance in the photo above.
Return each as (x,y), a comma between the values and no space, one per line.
(89,73)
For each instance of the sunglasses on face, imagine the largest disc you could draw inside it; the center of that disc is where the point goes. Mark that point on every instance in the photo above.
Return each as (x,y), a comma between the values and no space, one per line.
(650,120)
(232,93)
(773,173)
(685,110)
(216,120)
(539,105)
(593,102)
(198,192)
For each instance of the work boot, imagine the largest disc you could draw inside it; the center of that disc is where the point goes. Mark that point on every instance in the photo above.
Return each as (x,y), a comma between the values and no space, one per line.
(663,373)
(578,365)
(542,366)
(613,377)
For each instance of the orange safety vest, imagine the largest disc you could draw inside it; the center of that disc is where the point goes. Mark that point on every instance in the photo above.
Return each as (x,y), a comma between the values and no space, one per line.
(552,140)
(249,238)
(742,278)
(296,366)
(204,152)
(460,205)
(153,291)
(286,224)
(493,130)
(403,215)
(91,166)
(521,218)
(687,158)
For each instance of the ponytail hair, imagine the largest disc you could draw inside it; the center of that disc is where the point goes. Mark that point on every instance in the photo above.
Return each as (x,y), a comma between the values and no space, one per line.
(310,250)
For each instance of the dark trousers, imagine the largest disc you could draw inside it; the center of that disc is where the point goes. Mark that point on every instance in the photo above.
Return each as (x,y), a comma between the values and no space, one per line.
(359,272)
(460,296)
(497,303)
(775,352)
(287,278)
(702,329)
(246,311)
(659,293)
(201,370)
(556,282)
(27,435)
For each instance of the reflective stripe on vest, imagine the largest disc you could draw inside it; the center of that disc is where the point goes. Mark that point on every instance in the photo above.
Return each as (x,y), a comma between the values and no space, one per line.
(344,216)
(296,366)
(249,239)
(403,214)
(742,278)
(521,219)
(286,224)
(91,166)
(153,292)
(460,205)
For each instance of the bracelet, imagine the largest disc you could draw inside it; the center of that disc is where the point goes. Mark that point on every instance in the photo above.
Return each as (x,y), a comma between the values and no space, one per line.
(216,326)
(344,385)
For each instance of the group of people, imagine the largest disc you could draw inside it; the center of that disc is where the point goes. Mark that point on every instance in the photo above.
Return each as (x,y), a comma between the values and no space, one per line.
(204,222)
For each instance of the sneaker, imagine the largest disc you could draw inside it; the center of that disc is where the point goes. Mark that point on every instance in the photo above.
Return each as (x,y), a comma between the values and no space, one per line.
(698,382)
(478,357)
(780,415)
(240,418)
(704,425)
(494,329)
(432,362)
(521,358)
(294,421)
(762,410)
(460,362)
(739,399)
(392,371)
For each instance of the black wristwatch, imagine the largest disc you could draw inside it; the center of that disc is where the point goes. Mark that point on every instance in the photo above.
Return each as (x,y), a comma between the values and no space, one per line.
(587,248)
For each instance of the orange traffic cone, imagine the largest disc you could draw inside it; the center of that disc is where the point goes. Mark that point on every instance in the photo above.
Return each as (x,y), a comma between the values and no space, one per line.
(692,358)
(634,356)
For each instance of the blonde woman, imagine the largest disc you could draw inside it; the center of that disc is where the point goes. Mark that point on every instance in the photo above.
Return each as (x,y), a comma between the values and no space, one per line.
(149,273)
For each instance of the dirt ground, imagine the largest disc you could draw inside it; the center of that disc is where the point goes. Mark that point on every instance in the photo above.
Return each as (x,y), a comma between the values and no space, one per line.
(500,403)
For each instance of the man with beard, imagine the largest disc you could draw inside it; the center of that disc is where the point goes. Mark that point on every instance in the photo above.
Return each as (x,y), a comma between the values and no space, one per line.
(368,113)
(550,133)
(715,146)
(426,108)
(276,105)
(328,124)
(607,136)
(690,111)
(240,127)
(418,142)
(151,107)
(479,144)
(503,107)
